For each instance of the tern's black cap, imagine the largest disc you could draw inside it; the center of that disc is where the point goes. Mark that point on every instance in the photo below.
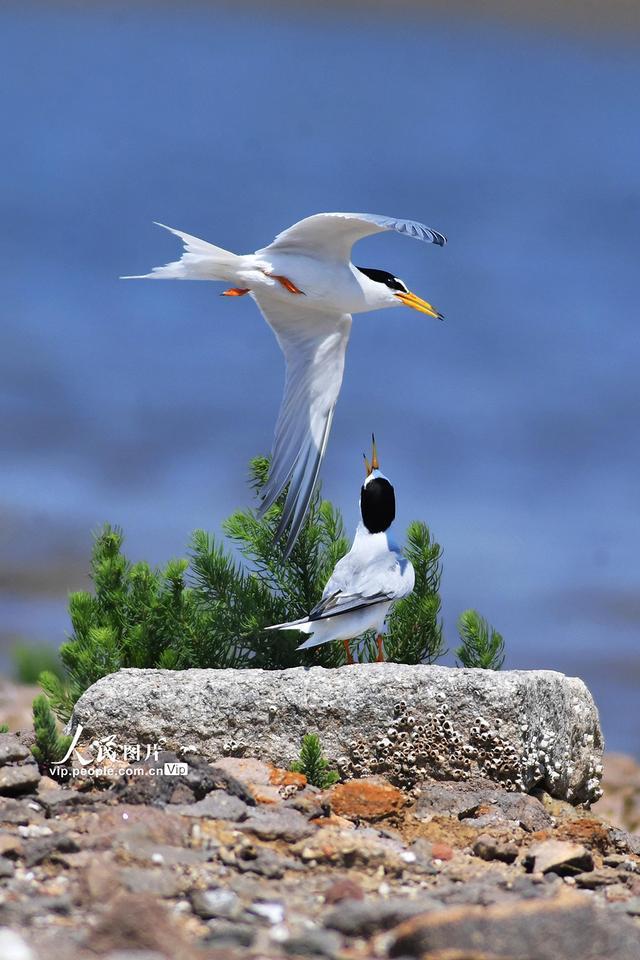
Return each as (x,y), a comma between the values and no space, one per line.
(383,276)
(377,504)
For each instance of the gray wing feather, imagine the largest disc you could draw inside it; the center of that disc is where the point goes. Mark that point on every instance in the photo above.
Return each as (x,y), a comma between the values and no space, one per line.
(333,234)
(314,353)
(340,602)
(411,228)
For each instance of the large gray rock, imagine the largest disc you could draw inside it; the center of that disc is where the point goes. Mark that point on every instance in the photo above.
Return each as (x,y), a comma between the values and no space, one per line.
(522,728)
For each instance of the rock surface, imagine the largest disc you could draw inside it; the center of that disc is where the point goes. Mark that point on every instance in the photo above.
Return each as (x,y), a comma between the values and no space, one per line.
(567,926)
(361,870)
(621,783)
(19,772)
(523,728)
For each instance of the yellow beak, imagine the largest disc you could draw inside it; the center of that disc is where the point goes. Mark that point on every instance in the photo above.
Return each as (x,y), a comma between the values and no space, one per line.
(374,465)
(411,300)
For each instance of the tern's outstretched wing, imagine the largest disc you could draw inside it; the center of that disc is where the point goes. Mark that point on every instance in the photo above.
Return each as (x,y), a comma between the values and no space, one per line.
(314,343)
(333,234)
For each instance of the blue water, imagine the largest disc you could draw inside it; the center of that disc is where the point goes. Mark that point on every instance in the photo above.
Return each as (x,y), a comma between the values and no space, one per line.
(512,428)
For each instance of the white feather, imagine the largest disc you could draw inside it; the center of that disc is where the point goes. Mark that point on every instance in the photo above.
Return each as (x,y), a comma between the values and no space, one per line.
(314,344)
(332,235)
(200,261)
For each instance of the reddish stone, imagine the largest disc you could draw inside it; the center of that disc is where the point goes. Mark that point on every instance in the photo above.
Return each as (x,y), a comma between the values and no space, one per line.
(368,799)
(287,778)
(442,851)
(344,889)
(263,781)
(333,821)
(588,831)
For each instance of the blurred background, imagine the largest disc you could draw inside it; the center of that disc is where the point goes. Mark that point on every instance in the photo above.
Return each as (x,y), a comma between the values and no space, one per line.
(512,428)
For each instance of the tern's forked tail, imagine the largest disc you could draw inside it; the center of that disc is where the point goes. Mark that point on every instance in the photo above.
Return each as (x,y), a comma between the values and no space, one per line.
(200,261)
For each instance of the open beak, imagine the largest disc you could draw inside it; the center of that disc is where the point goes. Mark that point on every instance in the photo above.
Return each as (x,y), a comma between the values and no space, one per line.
(374,465)
(411,300)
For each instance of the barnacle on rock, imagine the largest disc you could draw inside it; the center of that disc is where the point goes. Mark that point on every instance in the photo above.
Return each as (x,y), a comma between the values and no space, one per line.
(234,748)
(437,746)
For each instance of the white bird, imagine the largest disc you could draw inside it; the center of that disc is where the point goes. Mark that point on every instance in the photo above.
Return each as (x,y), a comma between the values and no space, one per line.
(367,580)
(307,288)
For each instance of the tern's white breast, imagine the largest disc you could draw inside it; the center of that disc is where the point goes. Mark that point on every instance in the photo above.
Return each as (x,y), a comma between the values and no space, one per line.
(328,284)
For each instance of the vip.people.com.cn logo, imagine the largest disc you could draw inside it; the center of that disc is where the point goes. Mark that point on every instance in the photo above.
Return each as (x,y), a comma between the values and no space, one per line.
(112,759)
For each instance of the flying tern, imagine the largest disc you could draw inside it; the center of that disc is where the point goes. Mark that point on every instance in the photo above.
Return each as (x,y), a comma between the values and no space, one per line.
(306,288)
(367,580)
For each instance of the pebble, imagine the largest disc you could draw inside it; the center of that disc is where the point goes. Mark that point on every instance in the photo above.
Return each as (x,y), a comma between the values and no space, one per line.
(13,947)
(157,882)
(226,933)
(597,878)
(35,851)
(10,844)
(622,862)
(134,955)
(314,943)
(55,800)
(216,902)
(442,851)
(280,823)
(34,830)
(11,749)
(19,779)
(558,856)
(363,918)
(488,848)
(481,799)
(344,889)
(630,906)
(17,811)
(218,805)
(264,862)
(270,911)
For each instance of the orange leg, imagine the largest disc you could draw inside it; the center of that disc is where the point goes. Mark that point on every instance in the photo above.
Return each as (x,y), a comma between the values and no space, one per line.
(287,284)
(379,641)
(235,292)
(348,650)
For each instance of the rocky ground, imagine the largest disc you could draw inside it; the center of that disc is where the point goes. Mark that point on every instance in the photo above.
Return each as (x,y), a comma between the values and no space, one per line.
(240,859)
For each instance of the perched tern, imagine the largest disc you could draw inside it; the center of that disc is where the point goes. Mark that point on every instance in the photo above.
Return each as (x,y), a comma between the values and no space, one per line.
(367,580)
(306,288)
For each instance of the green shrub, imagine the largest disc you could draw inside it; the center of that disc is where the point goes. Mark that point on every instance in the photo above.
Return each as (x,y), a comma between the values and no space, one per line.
(211,610)
(481,646)
(30,662)
(49,746)
(313,764)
